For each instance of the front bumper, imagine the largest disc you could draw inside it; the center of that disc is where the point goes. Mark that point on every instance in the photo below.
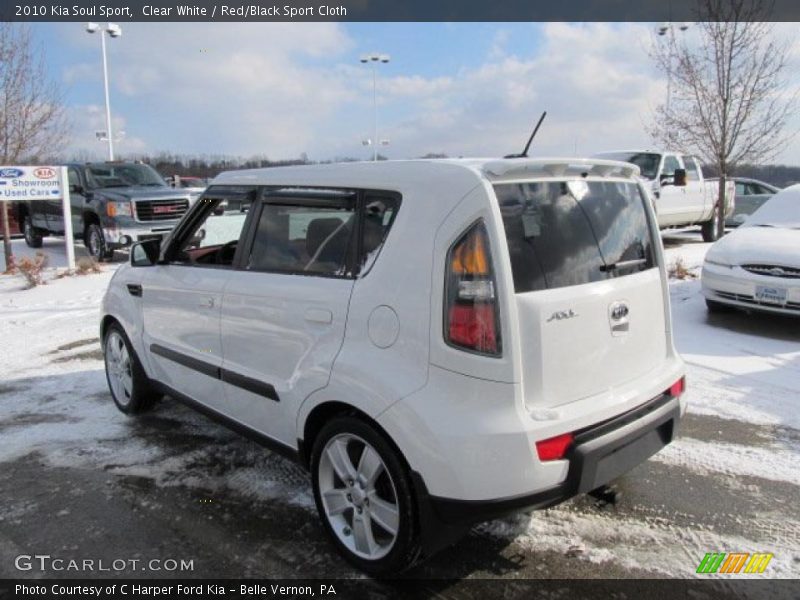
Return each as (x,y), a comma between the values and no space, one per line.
(737,287)
(599,454)
(122,237)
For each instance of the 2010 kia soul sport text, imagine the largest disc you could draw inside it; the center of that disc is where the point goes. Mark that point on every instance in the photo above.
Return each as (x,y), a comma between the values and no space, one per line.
(439,342)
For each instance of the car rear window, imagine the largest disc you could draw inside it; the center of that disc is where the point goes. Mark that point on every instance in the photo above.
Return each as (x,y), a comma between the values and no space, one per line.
(564,233)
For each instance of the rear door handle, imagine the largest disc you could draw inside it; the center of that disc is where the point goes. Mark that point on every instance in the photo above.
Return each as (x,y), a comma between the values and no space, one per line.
(134,289)
(319,315)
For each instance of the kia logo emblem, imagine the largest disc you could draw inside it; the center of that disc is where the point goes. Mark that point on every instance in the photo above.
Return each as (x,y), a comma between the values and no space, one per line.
(619,311)
(44,173)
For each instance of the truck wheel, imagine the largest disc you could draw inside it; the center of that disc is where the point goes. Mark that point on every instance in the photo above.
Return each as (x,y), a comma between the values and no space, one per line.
(129,385)
(713,229)
(364,497)
(95,242)
(32,236)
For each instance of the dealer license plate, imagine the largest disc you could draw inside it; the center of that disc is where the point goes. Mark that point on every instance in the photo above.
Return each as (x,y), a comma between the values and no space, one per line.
(771,295)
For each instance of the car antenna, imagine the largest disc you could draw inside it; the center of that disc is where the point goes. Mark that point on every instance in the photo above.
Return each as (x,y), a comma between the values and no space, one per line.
(524,153)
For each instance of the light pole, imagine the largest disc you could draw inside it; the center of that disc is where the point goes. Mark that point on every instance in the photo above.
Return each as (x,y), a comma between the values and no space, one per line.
(114,31)
(662,31)
(373,59)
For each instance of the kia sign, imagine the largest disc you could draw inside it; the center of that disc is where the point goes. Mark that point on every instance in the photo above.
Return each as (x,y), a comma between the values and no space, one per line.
(23,183)
(30,183)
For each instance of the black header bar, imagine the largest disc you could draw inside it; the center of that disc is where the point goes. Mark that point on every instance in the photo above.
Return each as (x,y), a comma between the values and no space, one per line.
(366,10)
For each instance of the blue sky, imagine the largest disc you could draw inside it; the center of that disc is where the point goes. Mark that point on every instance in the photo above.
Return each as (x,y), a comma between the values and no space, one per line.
(278,90)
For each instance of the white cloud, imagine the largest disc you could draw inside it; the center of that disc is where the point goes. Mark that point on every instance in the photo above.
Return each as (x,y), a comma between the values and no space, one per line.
(595,81)
(282,89)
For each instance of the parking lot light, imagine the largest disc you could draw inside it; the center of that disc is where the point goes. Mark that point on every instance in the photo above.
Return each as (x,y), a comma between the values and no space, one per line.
(372,60)
(113,31)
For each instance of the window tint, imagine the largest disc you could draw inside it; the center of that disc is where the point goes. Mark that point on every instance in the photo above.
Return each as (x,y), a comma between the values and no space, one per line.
(215,236)
(573,232)
(294,238)
(670,164)
(740,189)
(692,172)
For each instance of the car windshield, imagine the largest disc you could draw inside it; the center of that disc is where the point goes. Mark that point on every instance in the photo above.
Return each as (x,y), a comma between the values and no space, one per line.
(646,161)
(191,182)
(104,175)
(781,210)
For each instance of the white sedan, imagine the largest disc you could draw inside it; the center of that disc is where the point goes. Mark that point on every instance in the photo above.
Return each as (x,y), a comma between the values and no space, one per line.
(757,266)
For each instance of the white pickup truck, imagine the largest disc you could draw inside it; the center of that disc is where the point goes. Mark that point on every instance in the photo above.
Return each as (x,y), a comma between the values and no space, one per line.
(681,195)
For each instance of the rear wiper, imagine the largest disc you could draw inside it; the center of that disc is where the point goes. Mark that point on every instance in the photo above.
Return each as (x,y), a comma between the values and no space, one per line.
(623,264)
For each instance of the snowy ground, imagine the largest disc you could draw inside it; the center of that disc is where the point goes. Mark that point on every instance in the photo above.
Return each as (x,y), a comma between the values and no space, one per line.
(174,484)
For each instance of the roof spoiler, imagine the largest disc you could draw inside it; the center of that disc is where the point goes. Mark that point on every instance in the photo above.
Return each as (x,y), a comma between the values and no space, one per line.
(559,167)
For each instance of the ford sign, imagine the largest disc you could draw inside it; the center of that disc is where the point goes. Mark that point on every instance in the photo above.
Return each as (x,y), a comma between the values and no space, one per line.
(11,173)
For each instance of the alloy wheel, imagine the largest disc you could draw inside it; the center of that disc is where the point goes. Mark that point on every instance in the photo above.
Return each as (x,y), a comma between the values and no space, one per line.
(358,496)
(118,365)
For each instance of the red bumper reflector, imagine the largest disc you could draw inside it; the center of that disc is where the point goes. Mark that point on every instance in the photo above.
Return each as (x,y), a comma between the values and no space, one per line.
(554,448)
(677,388)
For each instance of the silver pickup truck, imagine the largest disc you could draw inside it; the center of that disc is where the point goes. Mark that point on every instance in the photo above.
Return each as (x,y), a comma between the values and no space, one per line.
(114,204)
(681,194)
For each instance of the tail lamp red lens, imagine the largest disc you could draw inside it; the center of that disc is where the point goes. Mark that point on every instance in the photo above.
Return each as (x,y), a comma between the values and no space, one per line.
(677,388)
(472,320)
(554,448)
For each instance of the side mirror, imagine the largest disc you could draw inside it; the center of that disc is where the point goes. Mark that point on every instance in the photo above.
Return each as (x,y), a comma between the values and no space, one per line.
(145,254)
(680,177)
(76,188)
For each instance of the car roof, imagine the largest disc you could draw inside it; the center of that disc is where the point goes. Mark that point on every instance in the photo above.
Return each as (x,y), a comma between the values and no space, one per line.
(392,174)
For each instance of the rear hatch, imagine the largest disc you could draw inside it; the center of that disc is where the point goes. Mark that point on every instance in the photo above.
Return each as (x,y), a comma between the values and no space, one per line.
(588,291)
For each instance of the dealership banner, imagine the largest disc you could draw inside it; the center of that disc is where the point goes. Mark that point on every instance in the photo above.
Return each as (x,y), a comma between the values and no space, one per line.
(341,589)
(364,10)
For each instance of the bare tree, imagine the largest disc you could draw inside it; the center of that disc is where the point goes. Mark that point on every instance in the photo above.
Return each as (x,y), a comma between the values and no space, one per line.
(730,101)
(32,117)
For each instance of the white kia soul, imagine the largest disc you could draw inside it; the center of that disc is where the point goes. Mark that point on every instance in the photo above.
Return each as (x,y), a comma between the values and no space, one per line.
(438,342)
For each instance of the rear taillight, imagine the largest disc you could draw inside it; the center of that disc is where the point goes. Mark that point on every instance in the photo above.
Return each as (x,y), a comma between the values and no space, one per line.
(677,388)
(472,319)
(554,448)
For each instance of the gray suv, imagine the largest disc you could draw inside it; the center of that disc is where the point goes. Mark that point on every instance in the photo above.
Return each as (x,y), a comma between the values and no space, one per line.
(114,204)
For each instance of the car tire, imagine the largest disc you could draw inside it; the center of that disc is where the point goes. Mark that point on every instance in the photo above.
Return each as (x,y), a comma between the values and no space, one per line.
(95,242)
(33,238)
(364,496)
(717,307)
(130,387)
(715,227)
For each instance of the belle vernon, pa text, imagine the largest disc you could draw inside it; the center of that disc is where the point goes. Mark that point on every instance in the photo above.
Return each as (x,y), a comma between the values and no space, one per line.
(202,591)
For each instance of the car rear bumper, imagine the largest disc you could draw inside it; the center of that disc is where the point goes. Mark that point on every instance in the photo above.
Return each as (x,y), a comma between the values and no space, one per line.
(600,454)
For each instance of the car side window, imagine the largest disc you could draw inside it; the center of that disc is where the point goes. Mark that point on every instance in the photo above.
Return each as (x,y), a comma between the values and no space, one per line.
(214,236)
(379,214)
(72,176)
(307,238)
(741,190)
(670,164)
(692,171)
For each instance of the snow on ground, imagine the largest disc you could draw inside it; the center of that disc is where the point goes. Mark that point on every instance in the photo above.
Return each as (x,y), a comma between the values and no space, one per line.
(742,368)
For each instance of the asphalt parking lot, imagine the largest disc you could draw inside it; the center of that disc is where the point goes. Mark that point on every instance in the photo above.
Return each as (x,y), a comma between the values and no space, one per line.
(81,481)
